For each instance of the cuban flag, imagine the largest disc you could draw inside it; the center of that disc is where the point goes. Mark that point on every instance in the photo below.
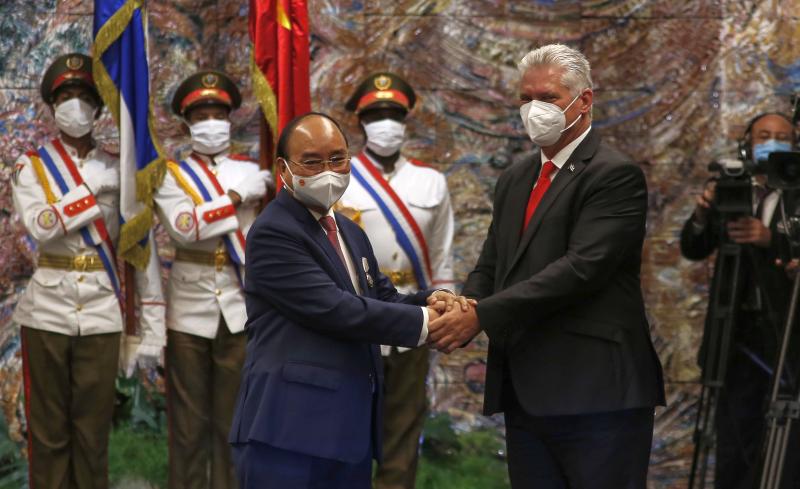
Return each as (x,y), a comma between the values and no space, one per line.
(123,80)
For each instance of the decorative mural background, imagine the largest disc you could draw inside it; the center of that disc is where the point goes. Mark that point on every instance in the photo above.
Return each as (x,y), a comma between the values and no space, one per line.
(675,83)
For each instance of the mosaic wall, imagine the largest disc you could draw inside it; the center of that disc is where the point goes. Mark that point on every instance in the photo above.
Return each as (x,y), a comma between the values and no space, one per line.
(675,82)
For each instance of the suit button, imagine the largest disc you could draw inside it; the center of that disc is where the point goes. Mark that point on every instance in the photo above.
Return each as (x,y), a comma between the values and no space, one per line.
(78,307)
(80,278)
(217,292)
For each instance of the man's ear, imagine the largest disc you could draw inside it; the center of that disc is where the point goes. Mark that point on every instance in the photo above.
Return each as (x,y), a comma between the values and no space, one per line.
(280,166)
(587,98)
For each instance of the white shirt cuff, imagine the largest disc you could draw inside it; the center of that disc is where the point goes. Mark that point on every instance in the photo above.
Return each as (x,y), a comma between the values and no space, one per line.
(697,228)
(423,335)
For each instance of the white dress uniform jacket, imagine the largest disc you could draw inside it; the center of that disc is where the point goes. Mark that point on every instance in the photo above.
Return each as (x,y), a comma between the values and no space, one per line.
(199,293)
(424,192)
(75,302)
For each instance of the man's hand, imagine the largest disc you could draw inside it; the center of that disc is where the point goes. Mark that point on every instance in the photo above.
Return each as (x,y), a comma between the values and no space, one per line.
(142,354)
(444,301)
(236,199)
(704,202)
(792,267)
(749,230)
(453,330)
(106,180)
(251,188)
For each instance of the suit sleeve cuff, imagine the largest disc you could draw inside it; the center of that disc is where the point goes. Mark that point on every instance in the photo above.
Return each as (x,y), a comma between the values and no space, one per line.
(423,334)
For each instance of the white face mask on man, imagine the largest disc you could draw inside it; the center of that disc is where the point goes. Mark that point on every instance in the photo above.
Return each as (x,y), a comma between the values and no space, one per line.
(75,117)
(385,137)
(545,122)
(210,136)
(319,191)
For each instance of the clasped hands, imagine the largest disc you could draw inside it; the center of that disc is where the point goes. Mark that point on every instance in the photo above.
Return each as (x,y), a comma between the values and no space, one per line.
(452,321)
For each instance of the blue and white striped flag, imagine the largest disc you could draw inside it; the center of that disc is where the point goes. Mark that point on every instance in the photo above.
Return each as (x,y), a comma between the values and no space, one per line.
(122,77)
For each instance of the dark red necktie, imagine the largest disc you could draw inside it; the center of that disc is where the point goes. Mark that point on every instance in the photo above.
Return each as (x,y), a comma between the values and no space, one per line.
(542,184)
(329,225)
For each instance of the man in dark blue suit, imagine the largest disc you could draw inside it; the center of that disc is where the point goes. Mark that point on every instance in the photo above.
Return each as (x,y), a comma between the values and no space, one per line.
(308,413)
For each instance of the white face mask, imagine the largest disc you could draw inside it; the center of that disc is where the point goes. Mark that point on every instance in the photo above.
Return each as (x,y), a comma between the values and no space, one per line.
(75,117)
(385,137)
(211,136)
(544,121)
(319,191)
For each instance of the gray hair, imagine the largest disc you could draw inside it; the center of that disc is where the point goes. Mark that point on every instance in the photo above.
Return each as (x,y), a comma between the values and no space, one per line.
(577,72)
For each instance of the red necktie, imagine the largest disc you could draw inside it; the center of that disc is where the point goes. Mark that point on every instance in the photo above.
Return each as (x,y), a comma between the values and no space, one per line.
(329,225)
(542,184)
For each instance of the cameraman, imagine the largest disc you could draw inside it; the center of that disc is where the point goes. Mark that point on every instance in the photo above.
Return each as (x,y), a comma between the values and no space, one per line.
(761,310)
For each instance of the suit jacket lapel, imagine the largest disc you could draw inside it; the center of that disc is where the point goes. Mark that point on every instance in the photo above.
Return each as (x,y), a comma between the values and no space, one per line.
(313,228)
(322,239)
(566,175)
(518,195)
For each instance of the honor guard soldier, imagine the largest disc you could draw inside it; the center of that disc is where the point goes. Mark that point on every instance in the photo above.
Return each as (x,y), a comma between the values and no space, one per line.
(207,203)
(404,207)
(67,194)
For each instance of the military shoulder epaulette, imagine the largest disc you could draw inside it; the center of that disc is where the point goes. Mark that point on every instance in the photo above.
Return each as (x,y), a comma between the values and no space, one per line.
(241,157)
(419,163)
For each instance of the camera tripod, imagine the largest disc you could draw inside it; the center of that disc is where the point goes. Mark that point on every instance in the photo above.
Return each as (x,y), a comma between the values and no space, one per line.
(726,298)
(784,407)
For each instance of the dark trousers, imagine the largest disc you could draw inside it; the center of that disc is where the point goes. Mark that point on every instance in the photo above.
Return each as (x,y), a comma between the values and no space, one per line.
(592,451)
(69,402)
(203,379)
(261,466)
(740,415)
(404,408)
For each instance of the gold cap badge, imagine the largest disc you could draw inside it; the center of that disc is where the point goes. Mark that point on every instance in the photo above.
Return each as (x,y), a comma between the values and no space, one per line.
(383,82)
(210,80)
(74,63)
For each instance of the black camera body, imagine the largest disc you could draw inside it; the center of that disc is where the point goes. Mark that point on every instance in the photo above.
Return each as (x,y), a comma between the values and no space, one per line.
(783,173)
(734,190)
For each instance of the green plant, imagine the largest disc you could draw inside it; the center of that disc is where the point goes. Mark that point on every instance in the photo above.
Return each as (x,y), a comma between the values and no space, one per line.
(453,460)
(137,454)
(13,466)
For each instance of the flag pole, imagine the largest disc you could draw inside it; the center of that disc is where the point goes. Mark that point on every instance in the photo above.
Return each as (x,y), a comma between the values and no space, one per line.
(266,155)
(130,299)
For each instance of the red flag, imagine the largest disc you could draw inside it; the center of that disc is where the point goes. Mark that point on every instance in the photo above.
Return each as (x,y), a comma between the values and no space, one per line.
(280,36)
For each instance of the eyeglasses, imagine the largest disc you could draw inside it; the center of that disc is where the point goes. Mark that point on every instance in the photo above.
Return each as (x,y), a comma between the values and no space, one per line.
(317,165)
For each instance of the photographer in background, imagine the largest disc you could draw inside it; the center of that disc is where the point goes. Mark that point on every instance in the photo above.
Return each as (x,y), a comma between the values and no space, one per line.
(762,307)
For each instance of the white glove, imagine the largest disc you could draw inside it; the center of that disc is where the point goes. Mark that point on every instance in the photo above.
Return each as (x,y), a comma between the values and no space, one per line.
(102,181)
(253,187)
(145,354)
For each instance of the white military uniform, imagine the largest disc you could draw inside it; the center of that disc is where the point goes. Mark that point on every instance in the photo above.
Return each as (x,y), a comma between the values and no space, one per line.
(79,301)
(424,192)
(199,292)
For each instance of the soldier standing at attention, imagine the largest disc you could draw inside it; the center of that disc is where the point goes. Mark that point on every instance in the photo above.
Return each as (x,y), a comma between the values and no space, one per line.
(67,195)
(404,207)
(207,203)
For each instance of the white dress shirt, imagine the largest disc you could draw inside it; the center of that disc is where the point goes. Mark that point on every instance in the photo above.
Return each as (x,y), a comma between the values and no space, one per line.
(560,158)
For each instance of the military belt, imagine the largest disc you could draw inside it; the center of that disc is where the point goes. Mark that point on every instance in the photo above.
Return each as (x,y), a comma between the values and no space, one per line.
(217,259)
(80,263)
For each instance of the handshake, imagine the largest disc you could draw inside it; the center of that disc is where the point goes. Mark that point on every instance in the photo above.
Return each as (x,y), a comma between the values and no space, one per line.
(452,321)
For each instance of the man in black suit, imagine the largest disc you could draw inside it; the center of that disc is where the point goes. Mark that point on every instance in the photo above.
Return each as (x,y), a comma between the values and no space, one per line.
(571,363)
(760,315)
